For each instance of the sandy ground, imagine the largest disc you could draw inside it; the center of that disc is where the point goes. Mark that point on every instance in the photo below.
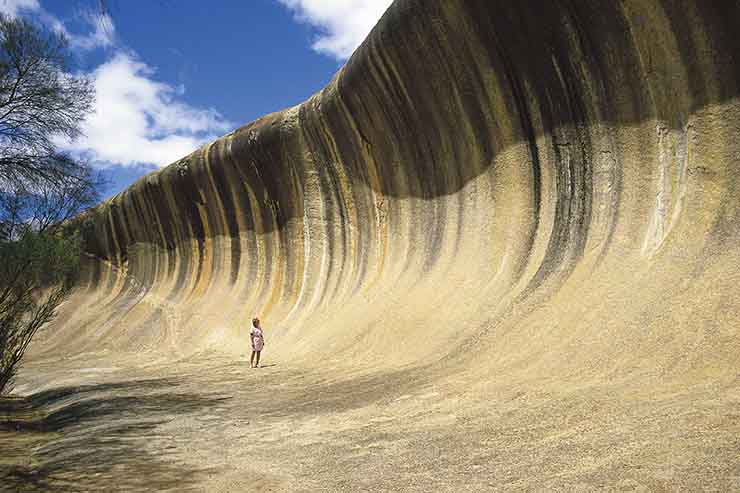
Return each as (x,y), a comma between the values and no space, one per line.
(212,424)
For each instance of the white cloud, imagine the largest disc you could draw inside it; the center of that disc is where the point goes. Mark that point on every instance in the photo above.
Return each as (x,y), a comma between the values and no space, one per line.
(139,120)
(103,29)
(344,24)
(12,8)
(103,34)
(136,119)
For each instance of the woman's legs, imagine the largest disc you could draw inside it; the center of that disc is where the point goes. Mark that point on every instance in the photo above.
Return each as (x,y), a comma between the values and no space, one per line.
(258,358)
(251,360)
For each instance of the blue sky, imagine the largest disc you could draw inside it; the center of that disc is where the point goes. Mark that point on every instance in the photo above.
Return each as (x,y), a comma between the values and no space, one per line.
(171,75)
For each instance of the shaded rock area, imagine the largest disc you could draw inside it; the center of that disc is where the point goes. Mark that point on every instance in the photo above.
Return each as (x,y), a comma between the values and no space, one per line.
(498,250)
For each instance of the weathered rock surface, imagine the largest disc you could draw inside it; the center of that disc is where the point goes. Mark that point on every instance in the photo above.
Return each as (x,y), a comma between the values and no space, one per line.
(478,172)
(491,195)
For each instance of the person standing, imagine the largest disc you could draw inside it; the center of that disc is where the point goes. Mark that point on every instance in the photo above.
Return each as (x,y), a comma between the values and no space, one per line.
(258,342)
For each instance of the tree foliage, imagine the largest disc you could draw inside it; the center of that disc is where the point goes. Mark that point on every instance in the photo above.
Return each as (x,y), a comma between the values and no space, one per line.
(36,272)
(41,101)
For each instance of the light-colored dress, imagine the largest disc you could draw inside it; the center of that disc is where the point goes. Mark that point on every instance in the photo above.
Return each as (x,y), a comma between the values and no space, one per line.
(258,341)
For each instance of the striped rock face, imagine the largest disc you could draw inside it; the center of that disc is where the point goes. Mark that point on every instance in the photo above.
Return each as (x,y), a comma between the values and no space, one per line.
(527,189)
(500,249)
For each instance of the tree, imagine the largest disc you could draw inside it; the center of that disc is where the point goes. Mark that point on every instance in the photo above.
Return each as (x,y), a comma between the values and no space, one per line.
(41,101)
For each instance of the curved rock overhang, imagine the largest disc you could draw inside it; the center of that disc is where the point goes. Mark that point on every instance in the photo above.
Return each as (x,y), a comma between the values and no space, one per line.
(549,186)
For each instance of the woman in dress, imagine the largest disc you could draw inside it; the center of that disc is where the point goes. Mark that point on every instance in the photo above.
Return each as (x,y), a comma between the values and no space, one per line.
(258,341)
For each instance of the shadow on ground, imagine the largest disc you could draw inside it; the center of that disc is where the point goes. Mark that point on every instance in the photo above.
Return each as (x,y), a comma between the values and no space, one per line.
(96,437)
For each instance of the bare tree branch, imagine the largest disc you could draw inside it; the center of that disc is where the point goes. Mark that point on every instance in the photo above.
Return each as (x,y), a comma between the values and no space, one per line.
(40,188)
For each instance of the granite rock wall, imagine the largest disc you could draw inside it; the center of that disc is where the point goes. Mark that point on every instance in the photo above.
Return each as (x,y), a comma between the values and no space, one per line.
(550,186)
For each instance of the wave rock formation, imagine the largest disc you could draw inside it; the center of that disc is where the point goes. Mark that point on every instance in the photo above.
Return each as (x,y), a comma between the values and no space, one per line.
(544,185)
(505,202)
